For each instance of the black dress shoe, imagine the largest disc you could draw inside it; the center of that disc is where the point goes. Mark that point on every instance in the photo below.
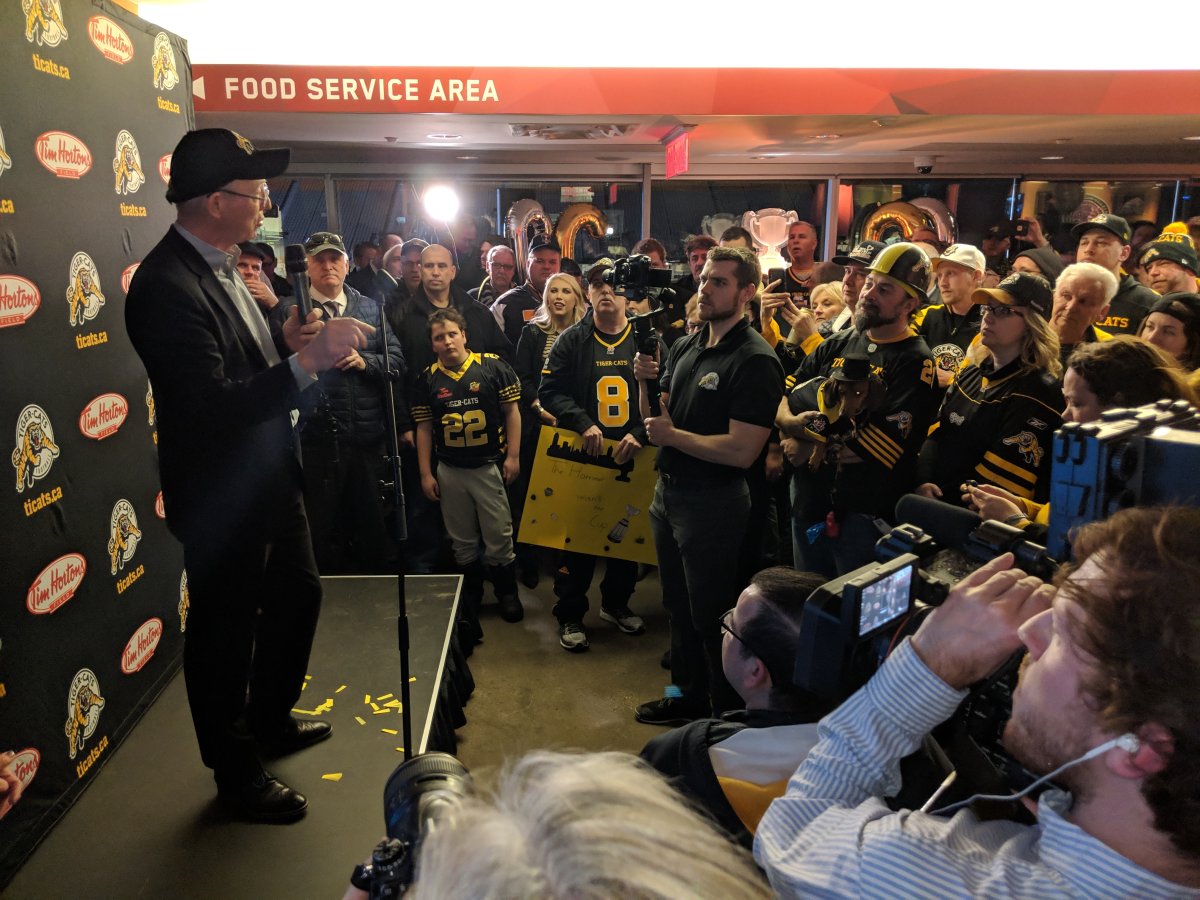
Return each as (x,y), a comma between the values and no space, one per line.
(263,798)
(296,735)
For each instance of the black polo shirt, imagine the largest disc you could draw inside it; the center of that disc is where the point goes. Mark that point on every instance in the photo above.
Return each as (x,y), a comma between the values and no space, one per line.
(1130,305)
(740,378)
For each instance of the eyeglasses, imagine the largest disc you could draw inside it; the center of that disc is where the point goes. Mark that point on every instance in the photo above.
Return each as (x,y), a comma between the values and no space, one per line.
(263,197)
(1000,312)
(726,621)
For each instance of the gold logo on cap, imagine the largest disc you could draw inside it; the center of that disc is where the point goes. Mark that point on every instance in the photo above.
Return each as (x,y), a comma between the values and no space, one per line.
(243,143)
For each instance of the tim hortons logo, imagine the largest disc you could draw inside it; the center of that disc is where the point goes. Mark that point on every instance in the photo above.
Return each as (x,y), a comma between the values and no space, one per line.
(19,299)
(63,154)
(25,765)
(56,584)
(141,646)
(36,450)
(84,703)
(164,168)
(103,416)
(110,39)
(159,509)
(127,276)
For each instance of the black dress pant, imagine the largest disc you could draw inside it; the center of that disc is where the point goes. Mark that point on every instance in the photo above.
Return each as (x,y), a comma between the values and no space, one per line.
(254,598)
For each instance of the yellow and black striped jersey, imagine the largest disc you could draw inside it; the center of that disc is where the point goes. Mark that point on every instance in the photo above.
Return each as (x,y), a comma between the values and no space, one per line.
(995,428)
(465,406)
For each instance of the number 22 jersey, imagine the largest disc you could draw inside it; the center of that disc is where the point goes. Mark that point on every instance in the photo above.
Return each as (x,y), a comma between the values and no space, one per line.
(466,408)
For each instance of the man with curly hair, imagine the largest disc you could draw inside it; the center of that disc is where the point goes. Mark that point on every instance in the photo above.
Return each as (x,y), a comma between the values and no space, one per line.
(1107,694)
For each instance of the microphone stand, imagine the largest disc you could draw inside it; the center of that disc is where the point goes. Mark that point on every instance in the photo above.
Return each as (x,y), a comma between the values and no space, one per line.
(397,493)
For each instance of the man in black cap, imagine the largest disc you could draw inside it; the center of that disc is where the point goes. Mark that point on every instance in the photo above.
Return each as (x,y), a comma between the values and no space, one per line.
(250,267)
(279,285)
(1170,261)
(1105,241)
(515,307)
(226,389)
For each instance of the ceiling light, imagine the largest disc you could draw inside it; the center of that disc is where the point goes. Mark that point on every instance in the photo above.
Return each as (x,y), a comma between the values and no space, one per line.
(444,137)
(1194,137)
(1051,157)
(466,157)
(824,137)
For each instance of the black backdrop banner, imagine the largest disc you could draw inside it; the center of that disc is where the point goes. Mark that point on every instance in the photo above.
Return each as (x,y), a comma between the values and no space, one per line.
(93,595)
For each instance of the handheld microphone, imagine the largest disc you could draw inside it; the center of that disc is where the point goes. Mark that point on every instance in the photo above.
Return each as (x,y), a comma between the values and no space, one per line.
(296,262)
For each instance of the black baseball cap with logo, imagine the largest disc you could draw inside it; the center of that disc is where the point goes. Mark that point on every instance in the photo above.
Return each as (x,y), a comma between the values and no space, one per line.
(1110,223)
(206,159)
(1020,289)
(864,252)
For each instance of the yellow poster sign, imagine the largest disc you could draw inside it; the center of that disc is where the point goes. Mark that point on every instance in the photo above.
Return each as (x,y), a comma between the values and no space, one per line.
(590,504)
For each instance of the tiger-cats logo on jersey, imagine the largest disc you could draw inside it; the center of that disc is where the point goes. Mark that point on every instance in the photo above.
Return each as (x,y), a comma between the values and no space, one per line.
(127,165)
(84,297)
(44,22)
(1027,443)
(162,63)
(185,601)
(36,450)
(5,159)
(903,421)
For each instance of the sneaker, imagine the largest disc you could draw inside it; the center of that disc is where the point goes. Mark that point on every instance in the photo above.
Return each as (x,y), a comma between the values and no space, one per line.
(670,711)
(571,637)
(624,619)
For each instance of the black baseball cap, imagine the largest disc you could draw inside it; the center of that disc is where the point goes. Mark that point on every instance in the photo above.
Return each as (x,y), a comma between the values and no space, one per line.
(599,267)
(250,248)
(863,253)
(854,367)
(1020,289)
(543,242)
(206,159)
(1110,223)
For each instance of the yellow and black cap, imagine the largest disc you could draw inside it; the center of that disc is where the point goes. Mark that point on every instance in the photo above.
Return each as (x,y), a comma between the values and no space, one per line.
(905,263)
(1177,248)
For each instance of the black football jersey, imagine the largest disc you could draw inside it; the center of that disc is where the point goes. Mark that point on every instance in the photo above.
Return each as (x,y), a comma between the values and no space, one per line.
(466,408)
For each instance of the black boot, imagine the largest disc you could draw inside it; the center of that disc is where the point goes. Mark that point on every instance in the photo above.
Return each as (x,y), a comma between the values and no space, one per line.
(504,583)
(527,565)
(469,601)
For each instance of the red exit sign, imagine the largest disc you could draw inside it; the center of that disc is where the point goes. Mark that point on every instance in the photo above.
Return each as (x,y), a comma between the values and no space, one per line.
(677,156)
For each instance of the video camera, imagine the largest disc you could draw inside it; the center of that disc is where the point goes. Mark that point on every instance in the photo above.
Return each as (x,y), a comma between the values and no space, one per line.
(416,795)
(634,276)
(1130,457)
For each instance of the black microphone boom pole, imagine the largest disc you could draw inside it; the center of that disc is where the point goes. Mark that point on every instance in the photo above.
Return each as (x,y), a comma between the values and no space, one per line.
(296,263)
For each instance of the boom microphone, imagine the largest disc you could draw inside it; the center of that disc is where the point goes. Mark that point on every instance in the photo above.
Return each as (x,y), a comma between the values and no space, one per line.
(296,263)
(948,525)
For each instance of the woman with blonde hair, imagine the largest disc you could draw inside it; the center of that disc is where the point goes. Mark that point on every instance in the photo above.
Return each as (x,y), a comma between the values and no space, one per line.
(826,302)
(562,306)
(1000,412)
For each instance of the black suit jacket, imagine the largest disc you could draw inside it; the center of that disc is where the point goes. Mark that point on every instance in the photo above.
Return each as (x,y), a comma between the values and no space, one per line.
(228,454)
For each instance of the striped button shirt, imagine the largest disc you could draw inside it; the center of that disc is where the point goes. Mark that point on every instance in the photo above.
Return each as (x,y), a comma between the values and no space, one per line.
(831,834)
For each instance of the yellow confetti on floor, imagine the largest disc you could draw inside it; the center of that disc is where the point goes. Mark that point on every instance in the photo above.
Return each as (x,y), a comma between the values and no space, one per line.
(389,731)
(385,697)
(339,690)
(367,698)
(395,704)
(333,776)
(399,749)
(308,712)
(381,712)
(412,678)
(303,685)
(360,720)
(307,677)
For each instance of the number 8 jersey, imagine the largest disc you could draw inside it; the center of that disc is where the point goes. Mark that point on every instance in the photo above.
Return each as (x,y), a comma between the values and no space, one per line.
(466,408)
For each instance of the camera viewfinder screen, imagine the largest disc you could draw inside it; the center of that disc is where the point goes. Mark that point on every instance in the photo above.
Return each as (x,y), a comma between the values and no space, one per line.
(885,600)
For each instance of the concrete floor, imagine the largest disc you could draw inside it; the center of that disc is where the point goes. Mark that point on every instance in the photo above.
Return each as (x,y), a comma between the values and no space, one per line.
(149,826)
(532,694)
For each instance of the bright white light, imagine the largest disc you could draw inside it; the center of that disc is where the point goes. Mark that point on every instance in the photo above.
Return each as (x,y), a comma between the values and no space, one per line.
(608,230)
(441,203)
